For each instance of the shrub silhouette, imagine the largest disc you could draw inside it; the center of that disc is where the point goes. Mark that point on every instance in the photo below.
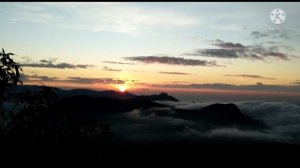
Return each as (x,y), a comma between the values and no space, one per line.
(9,77)
(31,121)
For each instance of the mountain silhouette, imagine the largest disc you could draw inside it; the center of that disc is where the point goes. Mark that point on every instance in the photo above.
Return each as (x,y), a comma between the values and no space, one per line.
(97,103)
(161,96)
(79,102)
(219,114)
(92,93)
(62,93)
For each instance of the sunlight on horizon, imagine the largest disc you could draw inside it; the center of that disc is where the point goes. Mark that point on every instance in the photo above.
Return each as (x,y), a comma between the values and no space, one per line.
(122,88)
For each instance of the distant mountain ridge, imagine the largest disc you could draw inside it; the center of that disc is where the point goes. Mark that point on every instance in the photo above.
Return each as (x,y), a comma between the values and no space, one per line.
(93,93)
(106,102)
(92,103)
(62,93)
(113,94)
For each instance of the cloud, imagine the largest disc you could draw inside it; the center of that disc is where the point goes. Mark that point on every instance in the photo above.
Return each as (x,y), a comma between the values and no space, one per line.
(238,50)
(230,28)
(171,61)
(286,47)
(104,17)
(251,76)
(262,52)
(283,117)
(78,80)
(174,73)
(259,83)
(249,135)
(257,34)
(50,61)
(51,64)
(223,86)
(94,80)
(146,126)
(270,34)
(36,77)
(272,113)
(113,62)
(223,53)
(105,68)
(297,82)
(230,45)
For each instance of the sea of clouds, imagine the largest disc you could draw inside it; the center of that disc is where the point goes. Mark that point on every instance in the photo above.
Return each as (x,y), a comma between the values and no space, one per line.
(156,125)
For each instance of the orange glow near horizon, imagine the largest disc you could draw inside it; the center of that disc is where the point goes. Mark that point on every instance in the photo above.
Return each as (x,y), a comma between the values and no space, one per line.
(122,88)
(137,89)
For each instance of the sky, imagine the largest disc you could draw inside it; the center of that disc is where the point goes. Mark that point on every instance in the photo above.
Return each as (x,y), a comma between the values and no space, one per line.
(150,47)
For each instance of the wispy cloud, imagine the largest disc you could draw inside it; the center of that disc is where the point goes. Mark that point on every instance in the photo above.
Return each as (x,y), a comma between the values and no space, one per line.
(251,76)
(51,64)
(105,68)
(269,34)
(33,13)
(78,80)
(238,50)
(296,82)
(221,53)
(94,80)
(113,62)
(229,28)
(174,73)
(171,61)
(112,17)
(36,77)
(229,45)
(223,86)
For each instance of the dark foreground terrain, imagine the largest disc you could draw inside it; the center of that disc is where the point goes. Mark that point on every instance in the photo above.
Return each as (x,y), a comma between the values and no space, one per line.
(138,128)
(50,152)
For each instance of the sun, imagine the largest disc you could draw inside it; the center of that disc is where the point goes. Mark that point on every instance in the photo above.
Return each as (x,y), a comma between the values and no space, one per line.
(122,88)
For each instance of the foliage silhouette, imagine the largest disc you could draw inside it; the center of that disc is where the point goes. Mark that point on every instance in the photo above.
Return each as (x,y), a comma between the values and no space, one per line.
(31,120)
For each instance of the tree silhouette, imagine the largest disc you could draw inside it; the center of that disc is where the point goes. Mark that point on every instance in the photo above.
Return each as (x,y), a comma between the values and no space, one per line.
(9,77)
(31,119)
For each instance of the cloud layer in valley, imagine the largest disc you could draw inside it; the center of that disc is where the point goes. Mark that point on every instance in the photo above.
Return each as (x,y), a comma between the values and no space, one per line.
(153,125)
